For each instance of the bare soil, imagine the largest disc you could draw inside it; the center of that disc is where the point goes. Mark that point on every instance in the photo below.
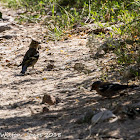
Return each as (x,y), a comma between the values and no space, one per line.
(21,115)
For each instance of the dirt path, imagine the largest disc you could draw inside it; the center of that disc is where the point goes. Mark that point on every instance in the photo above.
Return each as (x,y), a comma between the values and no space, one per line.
(20,95)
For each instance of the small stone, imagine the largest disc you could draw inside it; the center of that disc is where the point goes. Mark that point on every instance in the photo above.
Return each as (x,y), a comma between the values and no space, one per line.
(45,109)
(49,99)
(50,67)
(4,26)
(79,67)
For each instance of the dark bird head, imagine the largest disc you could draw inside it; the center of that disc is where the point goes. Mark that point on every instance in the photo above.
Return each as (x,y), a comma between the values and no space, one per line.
(95,85)
(35,44)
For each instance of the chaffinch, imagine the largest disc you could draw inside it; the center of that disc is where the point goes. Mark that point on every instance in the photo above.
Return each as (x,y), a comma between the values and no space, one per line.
(31,56)
(107,89)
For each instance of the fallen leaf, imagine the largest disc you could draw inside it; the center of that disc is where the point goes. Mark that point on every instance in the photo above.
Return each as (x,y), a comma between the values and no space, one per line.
(61,51)
(77,101)
(44,78)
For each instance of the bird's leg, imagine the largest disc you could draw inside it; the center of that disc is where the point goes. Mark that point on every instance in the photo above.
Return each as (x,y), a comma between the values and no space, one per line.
(34,69)
(24,69)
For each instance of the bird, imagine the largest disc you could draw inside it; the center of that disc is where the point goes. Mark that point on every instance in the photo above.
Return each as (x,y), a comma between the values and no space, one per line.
(107,89)
(1,15)
(31,56)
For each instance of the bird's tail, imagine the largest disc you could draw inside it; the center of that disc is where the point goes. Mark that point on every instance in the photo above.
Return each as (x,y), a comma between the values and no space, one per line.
(24,68)
(122,87)
(132,86)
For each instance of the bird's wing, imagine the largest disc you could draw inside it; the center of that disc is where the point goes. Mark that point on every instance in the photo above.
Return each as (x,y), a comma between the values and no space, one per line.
(30,55)
(109,86)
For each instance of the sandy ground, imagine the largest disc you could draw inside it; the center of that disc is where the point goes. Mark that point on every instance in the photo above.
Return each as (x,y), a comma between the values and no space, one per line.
(21,114)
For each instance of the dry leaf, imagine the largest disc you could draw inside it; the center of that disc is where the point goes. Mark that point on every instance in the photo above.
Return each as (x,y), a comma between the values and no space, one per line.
(44,78)
(61,51)
(77,101)
(69,35)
